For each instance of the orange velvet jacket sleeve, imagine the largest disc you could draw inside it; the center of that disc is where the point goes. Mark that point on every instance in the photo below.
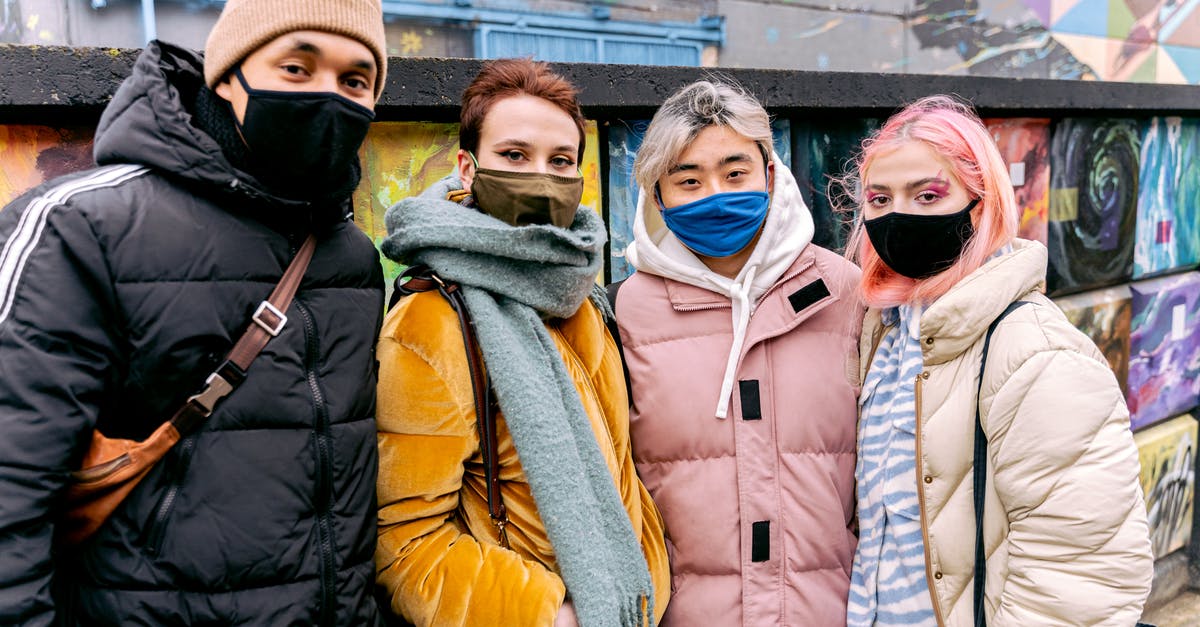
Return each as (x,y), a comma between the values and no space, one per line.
(435,572)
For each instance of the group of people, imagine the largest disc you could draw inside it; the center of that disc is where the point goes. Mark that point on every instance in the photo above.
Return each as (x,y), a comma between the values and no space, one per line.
(749,430)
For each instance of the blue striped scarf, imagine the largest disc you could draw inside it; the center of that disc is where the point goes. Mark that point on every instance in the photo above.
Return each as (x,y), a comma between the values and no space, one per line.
(887,583)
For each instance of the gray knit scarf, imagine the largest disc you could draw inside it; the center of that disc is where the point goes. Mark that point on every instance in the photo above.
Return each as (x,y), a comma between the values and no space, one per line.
(511,277)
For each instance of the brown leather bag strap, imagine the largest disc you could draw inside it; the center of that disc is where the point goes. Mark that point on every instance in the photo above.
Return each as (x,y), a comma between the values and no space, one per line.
(423,279)
(266,322)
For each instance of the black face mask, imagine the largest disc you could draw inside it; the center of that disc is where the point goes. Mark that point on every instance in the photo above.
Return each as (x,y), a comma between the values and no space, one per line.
(920,246)
(303,145)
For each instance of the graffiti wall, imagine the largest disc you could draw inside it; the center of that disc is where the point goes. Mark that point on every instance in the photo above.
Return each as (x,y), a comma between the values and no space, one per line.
(1168,233)
(1167,453)
(1024,144)
(30,155)
(1164,345)
(826,149)
(1093,203)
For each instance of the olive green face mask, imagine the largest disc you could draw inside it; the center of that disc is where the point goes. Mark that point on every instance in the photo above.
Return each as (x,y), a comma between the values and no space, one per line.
(524,198)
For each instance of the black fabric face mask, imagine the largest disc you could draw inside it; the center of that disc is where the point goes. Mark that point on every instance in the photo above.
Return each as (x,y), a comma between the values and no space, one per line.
(303,145)
(920,246)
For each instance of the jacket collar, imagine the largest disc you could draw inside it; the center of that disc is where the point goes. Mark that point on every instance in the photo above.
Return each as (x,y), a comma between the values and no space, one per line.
(150,122)
(956,321)
(802,291)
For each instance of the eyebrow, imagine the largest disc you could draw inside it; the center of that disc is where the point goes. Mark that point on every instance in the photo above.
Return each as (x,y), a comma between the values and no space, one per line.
(734,158)
(520,143)
(913,185)
(300,45)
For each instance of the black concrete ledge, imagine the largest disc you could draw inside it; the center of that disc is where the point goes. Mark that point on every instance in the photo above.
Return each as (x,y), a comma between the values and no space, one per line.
(50,84)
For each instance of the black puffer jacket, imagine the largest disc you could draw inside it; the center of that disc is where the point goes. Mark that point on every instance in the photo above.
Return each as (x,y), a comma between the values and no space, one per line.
(120,289)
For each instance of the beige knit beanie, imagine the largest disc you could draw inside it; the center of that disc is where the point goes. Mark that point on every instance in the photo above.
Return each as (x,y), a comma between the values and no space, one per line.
(247,25)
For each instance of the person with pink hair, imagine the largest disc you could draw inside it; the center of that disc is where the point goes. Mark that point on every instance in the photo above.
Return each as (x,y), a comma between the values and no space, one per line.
(967,365)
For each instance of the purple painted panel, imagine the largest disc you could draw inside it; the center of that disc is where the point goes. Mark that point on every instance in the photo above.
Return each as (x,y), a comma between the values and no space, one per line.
(1164,362)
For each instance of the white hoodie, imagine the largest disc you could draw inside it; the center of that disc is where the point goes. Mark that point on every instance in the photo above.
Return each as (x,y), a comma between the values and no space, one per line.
(786,231)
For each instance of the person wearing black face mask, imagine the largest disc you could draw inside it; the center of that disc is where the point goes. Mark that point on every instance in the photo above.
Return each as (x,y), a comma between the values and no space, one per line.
(993,439)
(126,286)
(564,522)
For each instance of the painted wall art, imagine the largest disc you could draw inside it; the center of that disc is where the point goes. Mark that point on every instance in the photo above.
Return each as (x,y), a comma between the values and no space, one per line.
(1167,453)
(402,159)
(1164,343)
(1168,229)
(825,149)
(1104,316)
(1025,146)
(624,140)
(1093,203)
(31,155)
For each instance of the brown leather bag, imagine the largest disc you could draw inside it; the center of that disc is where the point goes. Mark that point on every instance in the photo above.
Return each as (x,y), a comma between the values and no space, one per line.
(423,279)
(112,467)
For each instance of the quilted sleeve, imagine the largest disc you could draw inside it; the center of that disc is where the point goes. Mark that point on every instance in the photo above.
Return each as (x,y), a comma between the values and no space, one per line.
(1066,471)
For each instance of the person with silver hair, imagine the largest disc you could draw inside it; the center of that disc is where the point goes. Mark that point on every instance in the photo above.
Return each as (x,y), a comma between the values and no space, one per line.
(740,338)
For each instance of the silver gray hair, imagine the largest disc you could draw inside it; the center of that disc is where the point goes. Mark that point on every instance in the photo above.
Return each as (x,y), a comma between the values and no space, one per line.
(680,119)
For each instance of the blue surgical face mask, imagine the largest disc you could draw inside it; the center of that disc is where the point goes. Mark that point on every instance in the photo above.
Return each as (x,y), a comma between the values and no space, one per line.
(719,225)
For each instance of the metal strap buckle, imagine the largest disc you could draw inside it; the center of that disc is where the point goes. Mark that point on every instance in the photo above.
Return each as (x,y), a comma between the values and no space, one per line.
(215,389)
(257,318)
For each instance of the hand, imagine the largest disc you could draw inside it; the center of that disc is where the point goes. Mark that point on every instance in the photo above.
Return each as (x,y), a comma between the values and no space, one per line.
(566,616)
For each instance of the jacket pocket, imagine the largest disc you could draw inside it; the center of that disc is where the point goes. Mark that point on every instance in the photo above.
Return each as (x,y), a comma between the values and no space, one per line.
(156,532)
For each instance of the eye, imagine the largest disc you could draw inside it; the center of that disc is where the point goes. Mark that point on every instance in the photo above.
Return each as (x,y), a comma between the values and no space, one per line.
(562,162)
(928,197)
(294,69)
(356,82)
(512,155)
(736,174)
(878,201)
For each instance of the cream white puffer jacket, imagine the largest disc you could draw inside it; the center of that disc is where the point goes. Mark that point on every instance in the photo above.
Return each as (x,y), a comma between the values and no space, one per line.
(1064,525)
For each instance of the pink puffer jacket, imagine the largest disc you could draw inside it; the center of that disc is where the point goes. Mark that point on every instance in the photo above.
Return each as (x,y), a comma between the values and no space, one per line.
(758,506)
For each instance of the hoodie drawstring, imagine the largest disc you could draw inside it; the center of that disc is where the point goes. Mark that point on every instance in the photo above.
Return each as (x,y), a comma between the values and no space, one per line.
(740,295)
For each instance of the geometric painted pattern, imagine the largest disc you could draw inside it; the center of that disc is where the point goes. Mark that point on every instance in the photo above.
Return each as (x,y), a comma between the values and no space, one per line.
(1126,40)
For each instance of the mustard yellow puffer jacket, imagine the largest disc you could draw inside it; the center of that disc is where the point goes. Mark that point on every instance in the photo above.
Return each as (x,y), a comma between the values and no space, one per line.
(439,556)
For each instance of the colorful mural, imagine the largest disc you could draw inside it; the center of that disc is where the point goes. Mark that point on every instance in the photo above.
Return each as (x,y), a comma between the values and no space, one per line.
(1128,40)
(1118,40)
(1093,203)
(1167,453)
(401,159)
(1164,345)
(1168,232)
(1025,146)
(827,148)
(31,155)
(624,140)
(1104,316)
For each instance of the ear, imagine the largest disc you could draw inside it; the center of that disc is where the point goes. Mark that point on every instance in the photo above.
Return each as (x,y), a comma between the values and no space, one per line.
(224,89)
(770,176)
(235,96)
(466,169)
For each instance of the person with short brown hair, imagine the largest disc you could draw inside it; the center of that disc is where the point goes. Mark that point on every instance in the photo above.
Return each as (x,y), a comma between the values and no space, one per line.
(582,542)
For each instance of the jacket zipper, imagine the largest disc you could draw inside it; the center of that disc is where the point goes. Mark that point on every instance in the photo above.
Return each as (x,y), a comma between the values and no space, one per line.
(937,610)
(704,307)
(324,496)
(154,540)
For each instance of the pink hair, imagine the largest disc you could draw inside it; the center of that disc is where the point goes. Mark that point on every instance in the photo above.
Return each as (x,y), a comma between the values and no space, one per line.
(955,132)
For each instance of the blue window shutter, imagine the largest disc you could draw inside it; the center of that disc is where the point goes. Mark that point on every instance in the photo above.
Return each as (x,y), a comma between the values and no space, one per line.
(650,53)
(498,41)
